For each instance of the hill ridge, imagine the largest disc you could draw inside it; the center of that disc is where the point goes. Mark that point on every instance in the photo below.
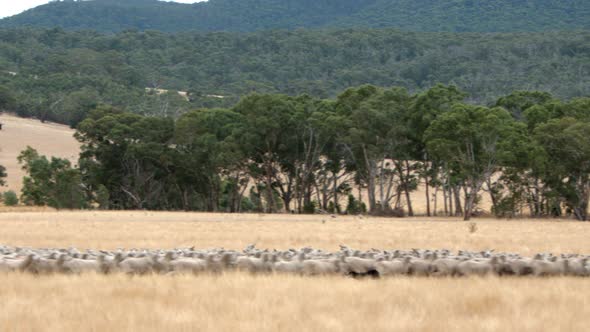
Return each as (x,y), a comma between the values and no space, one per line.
(255,15)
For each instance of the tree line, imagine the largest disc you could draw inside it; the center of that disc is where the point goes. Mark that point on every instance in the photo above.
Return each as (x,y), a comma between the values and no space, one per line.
(365,151)
(58,75)
(251,15)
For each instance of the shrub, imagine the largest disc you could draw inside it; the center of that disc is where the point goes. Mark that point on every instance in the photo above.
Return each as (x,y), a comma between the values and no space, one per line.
(309,208)
(10,198)
(355,206)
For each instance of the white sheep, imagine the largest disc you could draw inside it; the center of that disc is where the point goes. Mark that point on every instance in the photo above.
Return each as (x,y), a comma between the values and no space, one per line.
(394,267)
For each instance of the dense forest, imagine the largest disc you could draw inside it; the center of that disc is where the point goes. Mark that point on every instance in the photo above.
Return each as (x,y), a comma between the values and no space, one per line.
(253,15)
(270,153)
(57,75)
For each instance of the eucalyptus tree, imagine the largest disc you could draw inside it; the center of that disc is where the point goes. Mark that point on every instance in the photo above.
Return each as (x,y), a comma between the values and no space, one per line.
(519,101)
(426,107)
(375,139)
(566,142)
(131,156)
(522,179)
(471,139)
(211,157)
(266,135)
(53,182)
(313,153)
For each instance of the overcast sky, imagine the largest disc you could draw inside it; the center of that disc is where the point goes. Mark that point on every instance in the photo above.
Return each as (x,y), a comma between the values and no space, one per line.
(13,7)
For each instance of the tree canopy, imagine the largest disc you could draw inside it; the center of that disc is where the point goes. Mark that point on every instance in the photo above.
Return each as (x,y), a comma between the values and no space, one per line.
(57,75)
(300,154)
(252,15)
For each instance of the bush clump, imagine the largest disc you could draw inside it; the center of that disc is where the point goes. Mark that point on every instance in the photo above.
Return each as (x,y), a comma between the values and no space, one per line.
(10,198)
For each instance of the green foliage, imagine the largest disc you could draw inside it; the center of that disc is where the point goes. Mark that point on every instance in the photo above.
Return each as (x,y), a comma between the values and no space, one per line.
(61,76)
(51,182)
(249,15)
(2,175)
(566,142)
(310,208)
(102,197)
(470,140)
(9,198)
(7,99)
(354,206)
(274,152)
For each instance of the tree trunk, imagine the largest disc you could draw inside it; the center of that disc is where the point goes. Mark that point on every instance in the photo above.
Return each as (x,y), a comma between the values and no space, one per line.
(445,201)
(450,198)
(409,202)
(435,213)
(581,211)
(407,189)
(287,202)
(470,199)
(427,195)
(457,194)
(335,193)
(360,188)
(537,198)
(270,200)
(493,195)
(325,194)
(370,179)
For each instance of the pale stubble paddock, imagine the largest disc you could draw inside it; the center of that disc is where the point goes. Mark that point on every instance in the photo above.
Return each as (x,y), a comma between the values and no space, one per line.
(236,301)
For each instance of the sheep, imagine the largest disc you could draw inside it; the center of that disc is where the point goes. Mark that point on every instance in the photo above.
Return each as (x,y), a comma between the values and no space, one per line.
(306,261)
(188,265)
(479,268)
(518,267)
(542,267)
(10,265)
(77,265)
(445,267)
(41,265)
(359,267)
(577,267)
(420,267)
(109,264)
(395,267)
(218,263)
(137,265)
(313,267)
(292,266)
(254,264)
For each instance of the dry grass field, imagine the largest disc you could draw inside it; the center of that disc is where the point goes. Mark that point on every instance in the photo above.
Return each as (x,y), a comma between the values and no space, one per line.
(238,302)
(242,302)
(112,230)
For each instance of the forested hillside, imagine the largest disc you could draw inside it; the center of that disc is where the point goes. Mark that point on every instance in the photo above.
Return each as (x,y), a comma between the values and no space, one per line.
(252,15)
(59,75)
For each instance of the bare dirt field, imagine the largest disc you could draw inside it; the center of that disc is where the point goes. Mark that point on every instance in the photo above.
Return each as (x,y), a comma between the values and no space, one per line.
(48,138)
(244,302)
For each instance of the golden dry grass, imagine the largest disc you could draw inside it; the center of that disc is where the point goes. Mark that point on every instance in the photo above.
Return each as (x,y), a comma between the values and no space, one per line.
(110,230)
(242,302)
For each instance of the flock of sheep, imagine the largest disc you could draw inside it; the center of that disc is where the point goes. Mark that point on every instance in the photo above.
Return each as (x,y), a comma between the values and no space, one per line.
(305,261)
